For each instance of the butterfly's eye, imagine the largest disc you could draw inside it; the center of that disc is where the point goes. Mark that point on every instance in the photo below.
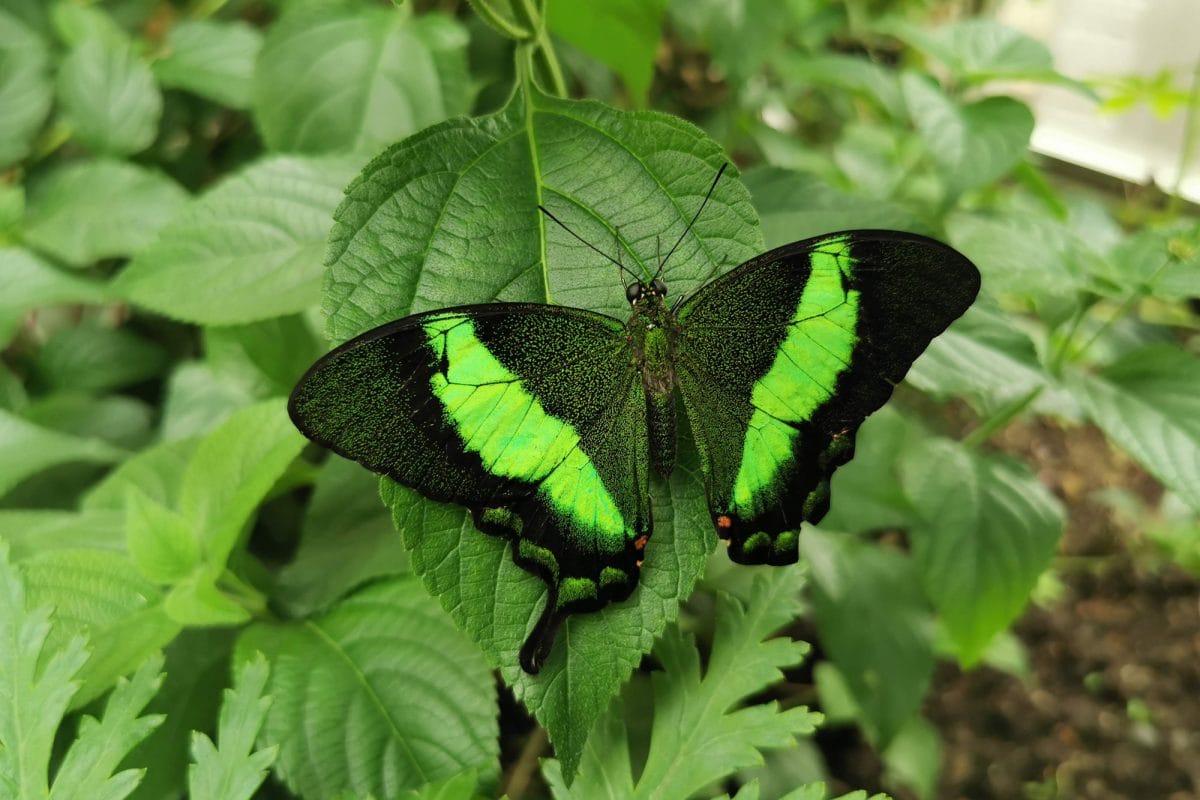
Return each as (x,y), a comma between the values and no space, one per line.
(659,287)
(633,292)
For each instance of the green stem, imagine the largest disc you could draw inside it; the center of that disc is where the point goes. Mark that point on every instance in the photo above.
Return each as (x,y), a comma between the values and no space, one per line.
(246,595)
(498,21)
(1187,148)
(206,8)
(1054,367)
(1001,418)
(538,50)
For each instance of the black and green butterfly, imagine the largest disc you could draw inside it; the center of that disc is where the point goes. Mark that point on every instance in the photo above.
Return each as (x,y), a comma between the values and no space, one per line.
(547,421)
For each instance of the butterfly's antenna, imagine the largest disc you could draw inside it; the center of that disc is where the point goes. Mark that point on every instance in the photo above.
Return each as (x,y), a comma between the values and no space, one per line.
(590,246)
(663,263)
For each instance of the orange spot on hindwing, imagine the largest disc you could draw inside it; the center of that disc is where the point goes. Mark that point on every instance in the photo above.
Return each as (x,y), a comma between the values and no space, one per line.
(724,522)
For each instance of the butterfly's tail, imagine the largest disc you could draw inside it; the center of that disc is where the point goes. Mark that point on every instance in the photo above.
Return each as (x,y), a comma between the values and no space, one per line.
(537,644)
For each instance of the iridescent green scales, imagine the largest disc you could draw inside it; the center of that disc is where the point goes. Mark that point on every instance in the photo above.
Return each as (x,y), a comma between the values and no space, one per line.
(547,421)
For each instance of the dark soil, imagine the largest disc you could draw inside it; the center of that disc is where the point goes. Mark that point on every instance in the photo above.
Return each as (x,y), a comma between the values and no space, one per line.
(1111,708)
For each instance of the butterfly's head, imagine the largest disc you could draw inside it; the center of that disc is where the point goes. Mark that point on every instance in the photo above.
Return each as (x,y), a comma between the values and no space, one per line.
(641,292)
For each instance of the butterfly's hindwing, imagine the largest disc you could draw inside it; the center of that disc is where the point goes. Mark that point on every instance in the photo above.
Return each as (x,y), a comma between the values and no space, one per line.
(532,416)
(781,360)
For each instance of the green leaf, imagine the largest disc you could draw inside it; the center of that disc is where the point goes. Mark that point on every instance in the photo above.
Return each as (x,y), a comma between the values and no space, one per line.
(197,670)
(874,625)
(25,87)
(36,684)
(987,530)
(347,538)
(407,239)
(914,758)
(1026,254)
(75,24)
(270,355)
(199,398)
(101,596)
(973,143)
(86,773)
(459,787)
(156,472)
(197,600)
(120,420)
(986,359)
(846,73)
(866,494)
(702,731)
(335,77)
(408,236)
(213,58)
(1148,403)
(27,449)
(249,249)
(233,772)
(978,49)
(30,283)
(622,34)
(96,358)
(108,97)
(379,695)
(795,206)
(32,531)
(161,543)
(84,211)
(231,472)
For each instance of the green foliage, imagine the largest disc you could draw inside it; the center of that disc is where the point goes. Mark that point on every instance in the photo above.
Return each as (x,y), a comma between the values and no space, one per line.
(185,187)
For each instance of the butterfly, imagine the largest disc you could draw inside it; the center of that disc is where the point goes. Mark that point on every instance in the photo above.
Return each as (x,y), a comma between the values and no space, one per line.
(548,421)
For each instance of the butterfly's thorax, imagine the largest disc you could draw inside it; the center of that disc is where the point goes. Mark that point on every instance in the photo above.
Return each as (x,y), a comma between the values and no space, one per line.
(651,331)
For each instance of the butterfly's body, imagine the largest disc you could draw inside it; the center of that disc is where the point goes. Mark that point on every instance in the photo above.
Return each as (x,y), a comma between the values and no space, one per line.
(547,421)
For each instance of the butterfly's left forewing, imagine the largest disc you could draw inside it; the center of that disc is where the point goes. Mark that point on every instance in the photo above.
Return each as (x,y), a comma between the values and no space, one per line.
(781,360)
(532,416)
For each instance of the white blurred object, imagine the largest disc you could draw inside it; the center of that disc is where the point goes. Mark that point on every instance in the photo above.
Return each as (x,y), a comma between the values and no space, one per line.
(1108,39)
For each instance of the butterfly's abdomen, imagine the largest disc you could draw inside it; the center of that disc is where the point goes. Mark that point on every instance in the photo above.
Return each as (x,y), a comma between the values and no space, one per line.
(652,349)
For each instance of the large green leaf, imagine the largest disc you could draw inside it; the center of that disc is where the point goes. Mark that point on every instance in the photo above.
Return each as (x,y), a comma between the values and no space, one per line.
(379,695)
(623,34)
(156,471)
(335,77)
(973,143)
(108,96)
(1149,404)
(214,59)
(89,210)
(249,249)
(32,531)
(874,625)
(987,530)
(25,87)
(30,283)
(450,216)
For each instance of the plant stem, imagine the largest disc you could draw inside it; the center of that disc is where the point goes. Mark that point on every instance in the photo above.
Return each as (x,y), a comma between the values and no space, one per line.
(1054,367)
(1001,418)
(1186,148)
(538,51)
(496,20)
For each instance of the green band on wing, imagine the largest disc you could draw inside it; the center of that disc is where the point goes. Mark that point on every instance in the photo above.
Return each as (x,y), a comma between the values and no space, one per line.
(804,374)
(515,437)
